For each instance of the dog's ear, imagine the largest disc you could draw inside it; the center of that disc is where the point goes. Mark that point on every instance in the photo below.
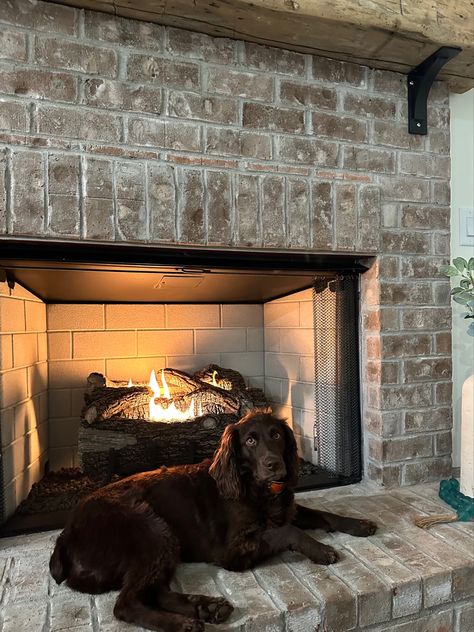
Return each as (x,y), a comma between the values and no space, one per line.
(224,467)
(290,455)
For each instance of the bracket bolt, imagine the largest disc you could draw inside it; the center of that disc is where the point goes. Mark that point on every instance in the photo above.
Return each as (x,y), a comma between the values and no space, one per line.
(412,83)
(418,124)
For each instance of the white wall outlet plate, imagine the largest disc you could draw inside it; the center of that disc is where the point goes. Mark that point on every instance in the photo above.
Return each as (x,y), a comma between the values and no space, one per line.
(466,226)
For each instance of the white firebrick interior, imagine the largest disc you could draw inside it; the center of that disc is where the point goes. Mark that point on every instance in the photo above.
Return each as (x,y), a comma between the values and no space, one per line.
(23,392)
(271,345)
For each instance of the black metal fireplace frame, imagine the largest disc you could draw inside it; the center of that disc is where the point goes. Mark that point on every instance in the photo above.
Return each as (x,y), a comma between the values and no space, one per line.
(17,255)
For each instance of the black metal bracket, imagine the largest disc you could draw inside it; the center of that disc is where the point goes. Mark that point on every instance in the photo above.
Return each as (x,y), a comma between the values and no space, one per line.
(420,80)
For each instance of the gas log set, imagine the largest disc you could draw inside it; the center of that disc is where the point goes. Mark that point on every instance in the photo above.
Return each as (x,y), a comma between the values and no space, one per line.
(177,418)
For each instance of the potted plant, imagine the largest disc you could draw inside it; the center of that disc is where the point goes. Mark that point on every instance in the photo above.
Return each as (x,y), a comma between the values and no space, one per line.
(463,293)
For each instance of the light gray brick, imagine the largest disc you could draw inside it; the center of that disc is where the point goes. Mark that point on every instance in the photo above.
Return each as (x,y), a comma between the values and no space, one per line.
(277,60)
(191,206)
(273,211)
(405,584)
(146,131)
(346,216)
(276,119)
(243,592)
(39,16)
(340,127)
(293,93)
(106,93)
(369,159)
(193,106)
(12,45)
(368,229)
(446,555)
(308,151)
(219,207)
(117,30)
(39,84)
(373,595)
(334,71)
(130,201)
(290,595)
(182,137)
(322,215)
(465,618)
(298,213)
(14,116)
(218,50)
(162,202)
(93,60)
(99,220)
(436,579)
(242,84)
(28,182)
(78,123)
(163,72)
(247,210)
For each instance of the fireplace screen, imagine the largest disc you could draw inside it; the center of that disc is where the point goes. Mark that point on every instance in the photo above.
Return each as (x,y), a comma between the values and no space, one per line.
(121,388)
(337,436)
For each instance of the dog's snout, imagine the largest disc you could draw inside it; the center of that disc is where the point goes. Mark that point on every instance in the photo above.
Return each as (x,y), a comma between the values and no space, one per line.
(271,463)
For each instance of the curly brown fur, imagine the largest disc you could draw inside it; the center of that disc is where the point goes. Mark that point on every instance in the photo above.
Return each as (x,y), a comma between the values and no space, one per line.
(234,511)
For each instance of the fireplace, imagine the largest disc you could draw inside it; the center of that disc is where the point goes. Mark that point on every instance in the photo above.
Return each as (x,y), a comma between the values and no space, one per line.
(220,334)
(301,162)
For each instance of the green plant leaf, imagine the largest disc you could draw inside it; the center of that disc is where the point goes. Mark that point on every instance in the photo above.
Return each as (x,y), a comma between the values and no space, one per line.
(471,303)
(465,284)
(450,271)
(470,264)
(462,298)
(456,290)
(460,263)
(470,329)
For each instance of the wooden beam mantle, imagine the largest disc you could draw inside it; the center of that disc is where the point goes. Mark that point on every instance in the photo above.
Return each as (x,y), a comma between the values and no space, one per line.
(389,34)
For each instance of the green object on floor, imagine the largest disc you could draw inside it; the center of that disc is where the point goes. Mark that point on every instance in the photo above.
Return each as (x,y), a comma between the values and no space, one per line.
(464,505)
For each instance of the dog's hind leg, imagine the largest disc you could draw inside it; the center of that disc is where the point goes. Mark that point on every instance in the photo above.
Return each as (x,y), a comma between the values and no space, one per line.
(209,609)
(133,606)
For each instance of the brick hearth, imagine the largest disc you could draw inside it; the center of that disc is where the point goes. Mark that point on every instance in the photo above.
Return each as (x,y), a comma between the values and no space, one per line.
(402,579)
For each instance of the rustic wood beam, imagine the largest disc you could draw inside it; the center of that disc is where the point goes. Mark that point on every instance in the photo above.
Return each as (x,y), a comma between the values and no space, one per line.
(389,34)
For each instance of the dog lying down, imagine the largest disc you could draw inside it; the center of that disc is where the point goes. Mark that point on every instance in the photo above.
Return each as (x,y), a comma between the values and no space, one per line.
(234,511)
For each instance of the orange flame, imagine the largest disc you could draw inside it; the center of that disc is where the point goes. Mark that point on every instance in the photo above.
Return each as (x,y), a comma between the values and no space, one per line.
(130,383)
(171,413)
(214,381)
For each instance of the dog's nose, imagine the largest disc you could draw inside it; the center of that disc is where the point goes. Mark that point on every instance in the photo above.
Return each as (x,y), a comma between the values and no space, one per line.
(271,463)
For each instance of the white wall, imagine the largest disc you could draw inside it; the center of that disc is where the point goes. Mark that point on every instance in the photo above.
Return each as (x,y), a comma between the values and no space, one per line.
(462,195)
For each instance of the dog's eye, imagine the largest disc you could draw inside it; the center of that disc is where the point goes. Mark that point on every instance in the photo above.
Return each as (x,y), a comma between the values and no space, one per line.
(276,435)
(251,441)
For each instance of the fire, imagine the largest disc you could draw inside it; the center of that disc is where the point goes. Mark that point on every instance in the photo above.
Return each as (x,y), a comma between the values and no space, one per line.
(130,383)
(214,381)
(170,413)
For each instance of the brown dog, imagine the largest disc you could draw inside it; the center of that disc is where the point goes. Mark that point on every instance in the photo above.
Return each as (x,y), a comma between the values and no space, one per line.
(233,511)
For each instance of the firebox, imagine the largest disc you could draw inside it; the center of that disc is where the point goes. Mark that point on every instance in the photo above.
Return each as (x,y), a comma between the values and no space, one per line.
(119,359)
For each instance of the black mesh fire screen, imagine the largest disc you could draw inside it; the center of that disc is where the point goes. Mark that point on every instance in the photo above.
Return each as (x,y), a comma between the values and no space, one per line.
(337,426)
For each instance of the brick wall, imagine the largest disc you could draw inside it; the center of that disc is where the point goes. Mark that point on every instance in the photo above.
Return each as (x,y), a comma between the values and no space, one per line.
(128,341)
(131,132)
(23,393)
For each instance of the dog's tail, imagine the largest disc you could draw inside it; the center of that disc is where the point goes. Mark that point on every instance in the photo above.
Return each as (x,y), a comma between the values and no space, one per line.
(59,563)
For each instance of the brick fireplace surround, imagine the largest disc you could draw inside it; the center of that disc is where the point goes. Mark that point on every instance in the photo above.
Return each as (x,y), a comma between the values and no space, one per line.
(113,130)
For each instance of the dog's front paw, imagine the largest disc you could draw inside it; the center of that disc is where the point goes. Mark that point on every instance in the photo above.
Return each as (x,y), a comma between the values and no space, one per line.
(325,555)
(212,609)
(362,528)
(192,626)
